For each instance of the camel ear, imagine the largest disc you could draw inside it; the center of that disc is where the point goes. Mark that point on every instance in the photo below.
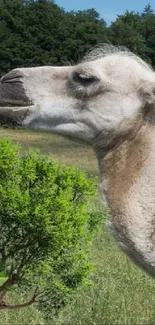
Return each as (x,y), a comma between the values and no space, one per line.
(147,95)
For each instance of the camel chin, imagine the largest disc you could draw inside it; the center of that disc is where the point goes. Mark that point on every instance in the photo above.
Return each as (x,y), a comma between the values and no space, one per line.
(108,101)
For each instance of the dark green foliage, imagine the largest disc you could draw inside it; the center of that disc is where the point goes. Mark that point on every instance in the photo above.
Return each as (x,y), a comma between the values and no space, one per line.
(34,33)
(81,30)
(45,226)
(39,32)
(148,32)
(126,31)
(137,32)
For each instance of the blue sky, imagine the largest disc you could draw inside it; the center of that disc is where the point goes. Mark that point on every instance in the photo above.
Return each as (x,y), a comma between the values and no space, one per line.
(107,9)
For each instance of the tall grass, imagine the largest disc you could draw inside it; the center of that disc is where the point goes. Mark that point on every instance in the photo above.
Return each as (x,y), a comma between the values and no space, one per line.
(120,294)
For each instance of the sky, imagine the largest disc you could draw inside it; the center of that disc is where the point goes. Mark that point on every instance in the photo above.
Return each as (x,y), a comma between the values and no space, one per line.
(107,9)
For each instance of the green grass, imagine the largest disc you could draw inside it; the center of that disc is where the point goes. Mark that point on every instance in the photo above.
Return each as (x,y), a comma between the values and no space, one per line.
(63,149)
(120,294)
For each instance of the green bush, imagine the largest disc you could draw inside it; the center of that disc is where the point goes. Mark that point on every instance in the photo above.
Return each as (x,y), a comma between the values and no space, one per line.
(45,228)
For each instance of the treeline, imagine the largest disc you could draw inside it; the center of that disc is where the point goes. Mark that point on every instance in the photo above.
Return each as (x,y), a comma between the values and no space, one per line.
(39,32)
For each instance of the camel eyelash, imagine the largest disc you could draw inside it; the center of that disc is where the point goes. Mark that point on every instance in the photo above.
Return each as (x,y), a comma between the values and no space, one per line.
(83,79)
(81,85)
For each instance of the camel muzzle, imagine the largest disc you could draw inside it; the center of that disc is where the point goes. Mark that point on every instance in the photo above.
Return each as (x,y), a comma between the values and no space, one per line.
(14,102)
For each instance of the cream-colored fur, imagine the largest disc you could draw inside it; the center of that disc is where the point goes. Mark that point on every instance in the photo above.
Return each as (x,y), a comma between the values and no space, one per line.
(107,100)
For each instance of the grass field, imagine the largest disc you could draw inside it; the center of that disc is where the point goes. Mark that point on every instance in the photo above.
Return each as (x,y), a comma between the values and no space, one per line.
(120,293)
(62,149)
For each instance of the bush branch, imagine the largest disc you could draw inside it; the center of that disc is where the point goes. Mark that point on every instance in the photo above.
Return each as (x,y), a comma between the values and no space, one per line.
(3,305)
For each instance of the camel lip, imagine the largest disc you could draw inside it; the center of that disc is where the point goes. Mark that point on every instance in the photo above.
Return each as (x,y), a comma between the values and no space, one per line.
(19,104)
(14,115)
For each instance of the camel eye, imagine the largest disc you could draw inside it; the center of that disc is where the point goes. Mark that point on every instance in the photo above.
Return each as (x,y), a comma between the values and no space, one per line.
(83,79)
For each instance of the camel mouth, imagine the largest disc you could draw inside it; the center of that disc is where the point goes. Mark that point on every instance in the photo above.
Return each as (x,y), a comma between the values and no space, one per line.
(14,115)
(9,104)
(14,102)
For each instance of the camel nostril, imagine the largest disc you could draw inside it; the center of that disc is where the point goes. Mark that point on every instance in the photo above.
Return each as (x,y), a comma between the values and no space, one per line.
(12,90)
(13,76)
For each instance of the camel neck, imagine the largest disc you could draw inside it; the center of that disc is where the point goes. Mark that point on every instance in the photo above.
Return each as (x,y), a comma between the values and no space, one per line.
(128,183)
(123,166)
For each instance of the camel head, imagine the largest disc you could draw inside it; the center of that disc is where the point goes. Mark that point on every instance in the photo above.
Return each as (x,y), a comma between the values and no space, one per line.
(97,97)
(107,100)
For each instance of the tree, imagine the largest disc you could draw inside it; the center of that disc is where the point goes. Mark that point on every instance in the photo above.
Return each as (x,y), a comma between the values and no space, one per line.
(45,228)
(148,32)
(10,38)
(82,31)
(127,31)
(137,32)
(39,32)
(28,33)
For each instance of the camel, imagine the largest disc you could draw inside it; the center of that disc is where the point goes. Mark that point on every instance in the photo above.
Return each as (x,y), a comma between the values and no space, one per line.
(107,100)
